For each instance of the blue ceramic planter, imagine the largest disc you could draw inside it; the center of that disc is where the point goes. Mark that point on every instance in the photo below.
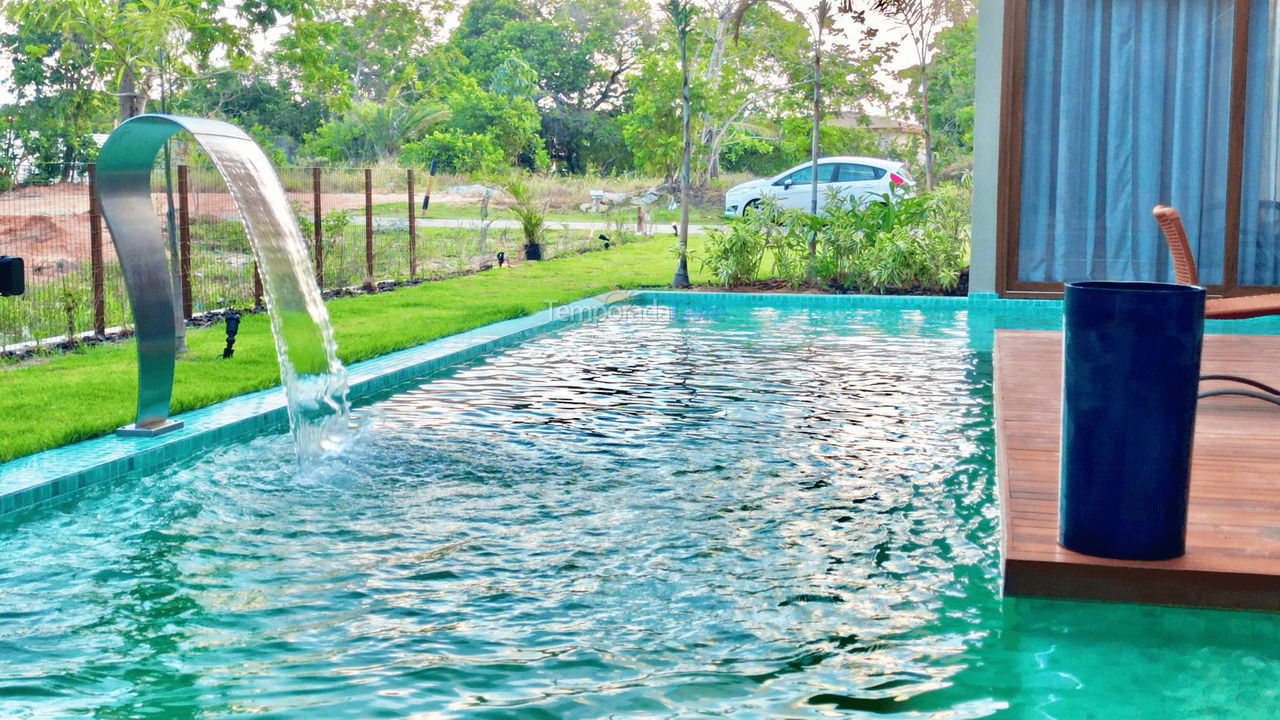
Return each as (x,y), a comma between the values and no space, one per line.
(1131,367)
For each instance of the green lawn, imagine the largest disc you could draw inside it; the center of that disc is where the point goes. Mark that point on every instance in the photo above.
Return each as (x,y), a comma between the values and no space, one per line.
(65,398)
(627,215)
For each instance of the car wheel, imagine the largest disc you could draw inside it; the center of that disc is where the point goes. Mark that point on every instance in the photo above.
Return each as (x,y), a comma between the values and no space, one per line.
(750,207)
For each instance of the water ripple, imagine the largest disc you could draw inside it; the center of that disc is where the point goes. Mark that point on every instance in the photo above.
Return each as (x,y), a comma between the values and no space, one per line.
(757,513)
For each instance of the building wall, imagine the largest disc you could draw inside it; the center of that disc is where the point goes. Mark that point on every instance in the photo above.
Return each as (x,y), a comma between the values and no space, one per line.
(986,145)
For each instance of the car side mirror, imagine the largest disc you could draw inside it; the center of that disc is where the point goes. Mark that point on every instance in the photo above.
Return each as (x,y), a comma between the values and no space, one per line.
(787,183)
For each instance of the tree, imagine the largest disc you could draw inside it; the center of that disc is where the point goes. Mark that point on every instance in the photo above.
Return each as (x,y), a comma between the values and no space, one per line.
(819,22)
(652,126)
(512,122)
(253,101)
(370,131)
(580,52)
(134,46)
(951,91)
(921,20)
(681,14)
(55,106)
(348,51)
(750,81)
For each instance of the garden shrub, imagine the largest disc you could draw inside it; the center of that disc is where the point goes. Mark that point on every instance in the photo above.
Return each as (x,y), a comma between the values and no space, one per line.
(456,152)
(902,243)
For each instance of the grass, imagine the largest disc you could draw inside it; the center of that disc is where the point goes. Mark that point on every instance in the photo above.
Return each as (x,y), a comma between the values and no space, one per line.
(222,271)
(66,398)
(625,214)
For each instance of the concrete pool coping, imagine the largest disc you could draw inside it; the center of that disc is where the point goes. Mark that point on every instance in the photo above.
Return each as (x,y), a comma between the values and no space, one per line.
(61,473)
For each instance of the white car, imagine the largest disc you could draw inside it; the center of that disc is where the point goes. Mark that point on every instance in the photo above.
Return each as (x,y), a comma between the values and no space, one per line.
(861,179)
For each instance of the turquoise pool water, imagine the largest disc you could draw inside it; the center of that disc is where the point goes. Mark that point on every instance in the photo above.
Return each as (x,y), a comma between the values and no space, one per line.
(664,513)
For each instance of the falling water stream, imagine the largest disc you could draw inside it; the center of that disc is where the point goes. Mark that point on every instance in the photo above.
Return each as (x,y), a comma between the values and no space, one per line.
(315,382)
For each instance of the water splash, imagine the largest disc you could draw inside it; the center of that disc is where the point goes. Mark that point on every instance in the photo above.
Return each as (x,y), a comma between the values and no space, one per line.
(315,382)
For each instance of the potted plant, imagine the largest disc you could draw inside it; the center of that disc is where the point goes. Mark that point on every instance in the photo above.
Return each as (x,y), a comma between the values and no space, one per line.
(531,211)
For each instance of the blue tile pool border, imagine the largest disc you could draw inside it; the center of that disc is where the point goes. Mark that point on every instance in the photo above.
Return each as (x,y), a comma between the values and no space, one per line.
(57,474)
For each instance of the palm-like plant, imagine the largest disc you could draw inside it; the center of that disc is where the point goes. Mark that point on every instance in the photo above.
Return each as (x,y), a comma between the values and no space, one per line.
(530,211)
(383,127)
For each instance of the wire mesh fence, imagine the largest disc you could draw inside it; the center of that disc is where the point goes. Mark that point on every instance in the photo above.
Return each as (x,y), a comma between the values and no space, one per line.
(363,227)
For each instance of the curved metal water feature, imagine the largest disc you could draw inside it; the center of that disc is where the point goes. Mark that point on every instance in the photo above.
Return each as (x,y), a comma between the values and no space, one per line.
(314,379)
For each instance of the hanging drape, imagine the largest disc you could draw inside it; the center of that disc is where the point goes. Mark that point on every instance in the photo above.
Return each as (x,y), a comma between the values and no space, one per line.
(1259,245)
(1126,106)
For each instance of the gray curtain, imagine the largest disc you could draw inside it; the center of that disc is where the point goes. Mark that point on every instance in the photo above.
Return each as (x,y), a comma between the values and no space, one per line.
(1259,258)
(1126,106)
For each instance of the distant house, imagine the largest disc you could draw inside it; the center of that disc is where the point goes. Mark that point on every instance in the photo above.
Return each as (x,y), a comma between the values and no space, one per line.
(1092,111)
(895,137)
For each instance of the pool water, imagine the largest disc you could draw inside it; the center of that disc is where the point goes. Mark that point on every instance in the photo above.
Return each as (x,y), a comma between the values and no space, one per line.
(664,513)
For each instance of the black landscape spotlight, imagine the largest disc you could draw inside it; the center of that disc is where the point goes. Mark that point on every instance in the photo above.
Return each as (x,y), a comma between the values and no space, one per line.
(233,327)
(13,279)
(605,238)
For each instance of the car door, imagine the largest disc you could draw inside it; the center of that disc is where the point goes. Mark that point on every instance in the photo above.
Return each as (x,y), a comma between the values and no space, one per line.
(861,183)
(797,188)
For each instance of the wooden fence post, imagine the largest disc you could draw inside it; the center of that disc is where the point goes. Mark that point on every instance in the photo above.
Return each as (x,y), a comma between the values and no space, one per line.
(257,287)
(318,232)
(184,240)
(95,257)
(413,232)
(368,230)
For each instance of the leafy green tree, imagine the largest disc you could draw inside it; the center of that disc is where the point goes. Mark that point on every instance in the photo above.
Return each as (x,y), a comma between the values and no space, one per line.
(348,51)
(921,21)
(951,91)
(250,100)
(820,23)
(514,79)
(454,151)
(652,127)
(135,46)
(55,107)
(580,52)
(512,122)
(370,131)
(790,147)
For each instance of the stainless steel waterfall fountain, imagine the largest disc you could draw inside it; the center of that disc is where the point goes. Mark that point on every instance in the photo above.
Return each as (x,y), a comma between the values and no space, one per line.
(314,380)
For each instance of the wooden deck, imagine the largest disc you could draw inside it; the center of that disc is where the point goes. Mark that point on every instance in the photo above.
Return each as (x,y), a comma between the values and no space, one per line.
(1233,535)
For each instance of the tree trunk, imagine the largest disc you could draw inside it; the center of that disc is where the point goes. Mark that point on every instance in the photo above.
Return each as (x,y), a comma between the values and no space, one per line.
(928,127)
(811,269)
(681,279)
(131,102)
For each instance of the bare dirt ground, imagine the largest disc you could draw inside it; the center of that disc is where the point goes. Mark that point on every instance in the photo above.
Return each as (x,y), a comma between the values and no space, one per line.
(48,226)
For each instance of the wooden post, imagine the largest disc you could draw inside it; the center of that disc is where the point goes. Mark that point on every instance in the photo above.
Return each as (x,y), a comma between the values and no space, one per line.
(184,240)
(257,287)
(368,229)
(95,258)
(413,232)
(316,221)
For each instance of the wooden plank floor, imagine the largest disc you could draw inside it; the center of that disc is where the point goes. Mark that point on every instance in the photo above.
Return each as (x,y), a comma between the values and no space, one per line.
(1233,534)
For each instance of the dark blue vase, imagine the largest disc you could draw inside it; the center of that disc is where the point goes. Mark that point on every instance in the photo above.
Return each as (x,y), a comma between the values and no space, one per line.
(1131,368)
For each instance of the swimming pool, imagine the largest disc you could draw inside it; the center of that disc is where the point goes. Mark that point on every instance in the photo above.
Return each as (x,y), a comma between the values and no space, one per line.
(670,511)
